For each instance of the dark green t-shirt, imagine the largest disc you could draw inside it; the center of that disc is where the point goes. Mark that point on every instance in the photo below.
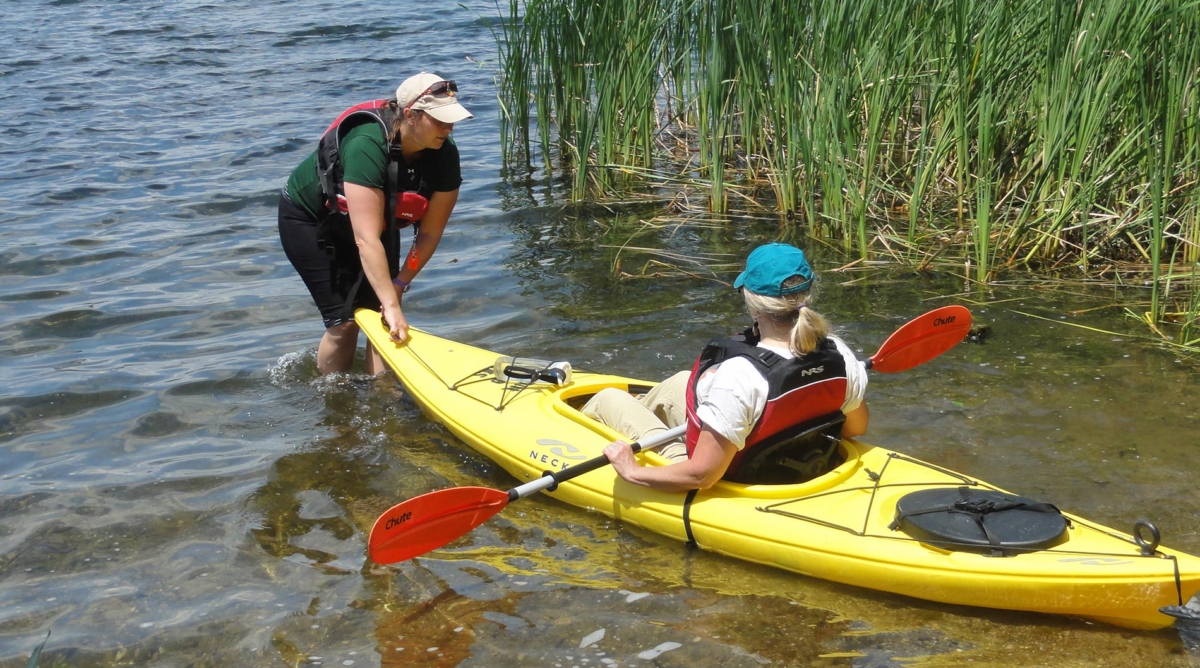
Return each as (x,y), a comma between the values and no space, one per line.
(364,162)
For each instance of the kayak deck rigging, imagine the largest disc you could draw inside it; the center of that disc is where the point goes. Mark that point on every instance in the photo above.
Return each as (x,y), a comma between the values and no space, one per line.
(487,374)
(1144,550)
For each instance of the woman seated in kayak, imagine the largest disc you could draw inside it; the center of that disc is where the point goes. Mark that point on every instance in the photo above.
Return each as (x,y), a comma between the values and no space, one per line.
(785,371)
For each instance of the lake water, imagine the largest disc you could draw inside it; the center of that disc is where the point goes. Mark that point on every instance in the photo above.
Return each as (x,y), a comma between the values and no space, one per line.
(179,488)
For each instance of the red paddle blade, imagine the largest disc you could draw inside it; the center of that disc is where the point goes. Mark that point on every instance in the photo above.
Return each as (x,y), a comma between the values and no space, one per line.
(922,339)
(424,523)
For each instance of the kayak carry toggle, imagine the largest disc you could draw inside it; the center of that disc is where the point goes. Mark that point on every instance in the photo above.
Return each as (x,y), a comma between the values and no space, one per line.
(1149,547)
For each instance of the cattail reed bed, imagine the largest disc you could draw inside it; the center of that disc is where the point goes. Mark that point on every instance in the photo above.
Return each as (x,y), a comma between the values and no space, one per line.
(1031,134)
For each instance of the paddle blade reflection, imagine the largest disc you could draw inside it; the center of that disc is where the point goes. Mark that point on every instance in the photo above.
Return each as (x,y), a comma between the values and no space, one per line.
(429,521)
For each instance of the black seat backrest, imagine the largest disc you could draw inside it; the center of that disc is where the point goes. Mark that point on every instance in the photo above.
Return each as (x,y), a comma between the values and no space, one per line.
(798,454)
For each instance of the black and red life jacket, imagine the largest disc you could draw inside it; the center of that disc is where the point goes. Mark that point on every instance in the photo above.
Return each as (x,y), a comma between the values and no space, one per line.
(800,388)
(329,157)
(401,209)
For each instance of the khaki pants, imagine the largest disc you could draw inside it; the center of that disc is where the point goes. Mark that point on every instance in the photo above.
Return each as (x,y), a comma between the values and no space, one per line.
(659,409)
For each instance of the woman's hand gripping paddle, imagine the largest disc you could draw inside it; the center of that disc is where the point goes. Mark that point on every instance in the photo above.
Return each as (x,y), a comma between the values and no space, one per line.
(424,523)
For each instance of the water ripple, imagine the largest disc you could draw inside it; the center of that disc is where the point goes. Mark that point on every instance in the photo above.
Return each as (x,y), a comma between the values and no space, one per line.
(46,265)
(226,206)
(35,295)
(81,324)
(25,413)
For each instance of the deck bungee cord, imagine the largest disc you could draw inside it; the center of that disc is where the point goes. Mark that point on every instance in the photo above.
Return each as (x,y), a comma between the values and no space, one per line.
(515,375)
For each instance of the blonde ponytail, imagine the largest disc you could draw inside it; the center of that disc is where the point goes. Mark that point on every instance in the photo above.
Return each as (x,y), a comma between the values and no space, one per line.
(810,328)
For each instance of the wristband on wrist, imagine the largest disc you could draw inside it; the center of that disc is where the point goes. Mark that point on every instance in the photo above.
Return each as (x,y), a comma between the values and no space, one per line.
(403,285)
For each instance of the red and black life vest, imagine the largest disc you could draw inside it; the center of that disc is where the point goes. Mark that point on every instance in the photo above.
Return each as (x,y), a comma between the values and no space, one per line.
(329,160)
(800,388)
(401,209)
(329,157)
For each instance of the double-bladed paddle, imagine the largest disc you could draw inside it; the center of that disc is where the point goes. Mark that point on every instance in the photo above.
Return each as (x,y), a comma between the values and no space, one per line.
(424,523)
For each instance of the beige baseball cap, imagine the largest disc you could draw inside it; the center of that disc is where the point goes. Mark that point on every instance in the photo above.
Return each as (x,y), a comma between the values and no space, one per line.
(421,92)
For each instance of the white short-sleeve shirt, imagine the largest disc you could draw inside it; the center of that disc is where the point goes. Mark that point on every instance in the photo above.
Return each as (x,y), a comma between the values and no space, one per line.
(733,394)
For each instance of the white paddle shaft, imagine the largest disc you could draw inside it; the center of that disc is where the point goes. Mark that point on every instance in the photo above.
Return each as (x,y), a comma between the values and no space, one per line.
(552,479)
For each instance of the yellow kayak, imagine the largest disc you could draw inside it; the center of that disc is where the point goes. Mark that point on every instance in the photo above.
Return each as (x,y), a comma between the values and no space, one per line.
(843,526)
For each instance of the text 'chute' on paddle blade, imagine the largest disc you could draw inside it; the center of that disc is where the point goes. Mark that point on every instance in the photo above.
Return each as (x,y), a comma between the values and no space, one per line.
(429,521)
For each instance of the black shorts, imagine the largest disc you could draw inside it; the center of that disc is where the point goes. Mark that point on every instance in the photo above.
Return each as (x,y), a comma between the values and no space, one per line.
(330,273)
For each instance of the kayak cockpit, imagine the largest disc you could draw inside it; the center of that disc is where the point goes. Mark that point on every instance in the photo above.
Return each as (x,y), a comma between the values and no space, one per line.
(842,453)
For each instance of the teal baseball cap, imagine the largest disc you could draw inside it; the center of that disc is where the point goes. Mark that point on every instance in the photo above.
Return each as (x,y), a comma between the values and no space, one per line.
(769,266)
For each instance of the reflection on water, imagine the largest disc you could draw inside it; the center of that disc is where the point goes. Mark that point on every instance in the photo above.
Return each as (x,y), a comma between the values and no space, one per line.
(178,487)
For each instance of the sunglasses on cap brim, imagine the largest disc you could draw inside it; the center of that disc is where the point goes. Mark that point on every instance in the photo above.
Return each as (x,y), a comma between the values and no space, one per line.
(439,89)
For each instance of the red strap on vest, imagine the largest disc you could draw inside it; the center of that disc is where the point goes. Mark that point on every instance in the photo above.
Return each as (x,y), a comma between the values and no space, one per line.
(364,106)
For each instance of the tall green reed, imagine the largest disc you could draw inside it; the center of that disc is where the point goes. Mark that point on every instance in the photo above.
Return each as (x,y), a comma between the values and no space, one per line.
(983,189)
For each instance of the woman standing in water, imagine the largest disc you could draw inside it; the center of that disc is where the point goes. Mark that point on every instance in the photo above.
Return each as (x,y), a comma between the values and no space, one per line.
(380,167)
